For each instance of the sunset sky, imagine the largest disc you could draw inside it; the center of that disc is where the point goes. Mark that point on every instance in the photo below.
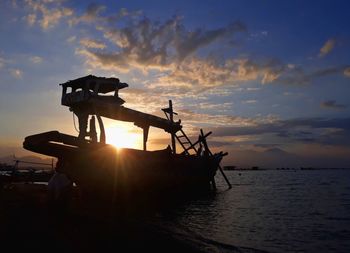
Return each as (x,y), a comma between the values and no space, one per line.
(271,79)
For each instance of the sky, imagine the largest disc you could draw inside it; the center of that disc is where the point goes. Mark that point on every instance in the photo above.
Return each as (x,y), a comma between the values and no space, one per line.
(270,79)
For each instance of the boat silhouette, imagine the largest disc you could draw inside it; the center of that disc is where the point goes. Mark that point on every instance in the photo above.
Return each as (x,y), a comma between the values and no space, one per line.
(101,170)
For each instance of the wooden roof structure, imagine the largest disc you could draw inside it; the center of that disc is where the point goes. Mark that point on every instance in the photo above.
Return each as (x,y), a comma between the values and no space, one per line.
(105,85)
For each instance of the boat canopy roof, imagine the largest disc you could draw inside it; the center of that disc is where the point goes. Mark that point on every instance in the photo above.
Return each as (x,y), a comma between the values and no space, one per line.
(98,84)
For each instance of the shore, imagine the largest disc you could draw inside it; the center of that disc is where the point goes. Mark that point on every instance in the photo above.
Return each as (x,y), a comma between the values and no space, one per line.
(28,224)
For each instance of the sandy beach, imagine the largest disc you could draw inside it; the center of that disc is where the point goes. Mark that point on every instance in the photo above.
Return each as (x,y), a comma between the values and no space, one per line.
(27,223)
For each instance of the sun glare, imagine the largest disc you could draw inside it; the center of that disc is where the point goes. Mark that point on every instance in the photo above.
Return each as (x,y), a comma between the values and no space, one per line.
(121,135)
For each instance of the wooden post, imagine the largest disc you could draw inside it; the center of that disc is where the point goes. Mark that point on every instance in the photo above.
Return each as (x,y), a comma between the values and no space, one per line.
(171,117)
(210,153)
(102,129)
(145,137)
(92,130)
(194,144)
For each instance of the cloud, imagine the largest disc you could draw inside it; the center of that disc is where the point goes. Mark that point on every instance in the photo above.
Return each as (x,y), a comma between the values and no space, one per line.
(198,74)
(36,59)
(92,14)
(46,13)
(89,43)
(253,89)
(308,130)
(31,19)
(218,120)
(298,76)
(217,107)
(186,42)
(251,101)
(16,73)
(161,43)
(267,145)
(347,72)
(71,39)
(323,157)
(2,62)
(151,102)
(146,100)
(150,45)
(171,49)
(176,53)
(331,104)
(327,47)
(180,59)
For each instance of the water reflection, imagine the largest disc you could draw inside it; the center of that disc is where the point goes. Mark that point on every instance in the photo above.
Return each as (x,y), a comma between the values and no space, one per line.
(277,211)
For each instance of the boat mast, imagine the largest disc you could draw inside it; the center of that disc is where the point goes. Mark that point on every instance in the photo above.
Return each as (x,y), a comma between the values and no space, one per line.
(171,117)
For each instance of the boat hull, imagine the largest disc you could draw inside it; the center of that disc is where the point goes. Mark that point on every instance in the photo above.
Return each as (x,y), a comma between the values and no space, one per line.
(105,172)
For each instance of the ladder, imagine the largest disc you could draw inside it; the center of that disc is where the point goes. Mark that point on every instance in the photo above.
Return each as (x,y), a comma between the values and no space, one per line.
(180,136)
(185,142)
(187,145)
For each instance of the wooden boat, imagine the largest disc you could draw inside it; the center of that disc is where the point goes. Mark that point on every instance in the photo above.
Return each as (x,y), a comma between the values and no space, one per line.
(101,170)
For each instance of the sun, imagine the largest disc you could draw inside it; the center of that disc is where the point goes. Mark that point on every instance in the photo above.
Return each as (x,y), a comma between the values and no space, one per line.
(121,135)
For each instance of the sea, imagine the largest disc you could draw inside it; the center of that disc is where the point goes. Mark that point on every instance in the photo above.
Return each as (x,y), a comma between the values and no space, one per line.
(268,211)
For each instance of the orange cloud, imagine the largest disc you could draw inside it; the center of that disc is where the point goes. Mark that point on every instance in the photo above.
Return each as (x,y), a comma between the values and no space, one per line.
(347,72)
(327,47)
(89,43)
(47,13)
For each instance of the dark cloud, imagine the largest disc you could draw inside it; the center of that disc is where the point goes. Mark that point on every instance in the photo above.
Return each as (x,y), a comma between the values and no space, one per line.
(91,15)
(318,130)
(187,42)
(173,49)
(267,145)
(298,76)
(219,144)
(132,41)
(142,42)
(332,104)
(279,158)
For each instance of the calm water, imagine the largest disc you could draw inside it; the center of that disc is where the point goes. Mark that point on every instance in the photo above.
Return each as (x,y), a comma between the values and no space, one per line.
(274,211)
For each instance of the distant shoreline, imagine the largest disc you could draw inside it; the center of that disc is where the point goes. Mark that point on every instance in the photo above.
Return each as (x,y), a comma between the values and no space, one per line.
(233,168)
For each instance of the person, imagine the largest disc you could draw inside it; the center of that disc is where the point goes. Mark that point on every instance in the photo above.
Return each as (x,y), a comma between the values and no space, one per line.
(59,189)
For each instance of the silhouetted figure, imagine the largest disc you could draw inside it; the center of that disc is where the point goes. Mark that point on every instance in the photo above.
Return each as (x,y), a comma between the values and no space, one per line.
(60,190)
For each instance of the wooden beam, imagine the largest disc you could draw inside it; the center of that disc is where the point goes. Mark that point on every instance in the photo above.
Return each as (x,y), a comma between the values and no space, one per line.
(210,153)
(194,144)
(171,118)
(145,137)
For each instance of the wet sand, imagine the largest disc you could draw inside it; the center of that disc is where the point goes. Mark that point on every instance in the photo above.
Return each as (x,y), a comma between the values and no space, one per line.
(28,223)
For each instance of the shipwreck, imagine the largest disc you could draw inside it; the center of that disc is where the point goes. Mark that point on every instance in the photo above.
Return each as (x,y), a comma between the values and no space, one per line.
(102,170)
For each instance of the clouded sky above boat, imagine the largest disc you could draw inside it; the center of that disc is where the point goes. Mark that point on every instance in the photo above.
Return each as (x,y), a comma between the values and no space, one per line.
(260,74)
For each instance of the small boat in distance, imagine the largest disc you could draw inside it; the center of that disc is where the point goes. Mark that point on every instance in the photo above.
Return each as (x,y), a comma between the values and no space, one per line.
(101,170)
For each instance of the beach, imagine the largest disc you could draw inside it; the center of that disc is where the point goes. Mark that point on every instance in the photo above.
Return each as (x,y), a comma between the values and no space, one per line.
(28,224)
